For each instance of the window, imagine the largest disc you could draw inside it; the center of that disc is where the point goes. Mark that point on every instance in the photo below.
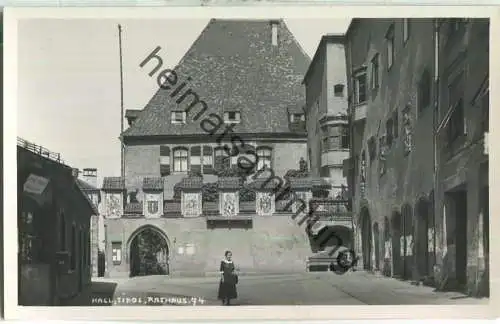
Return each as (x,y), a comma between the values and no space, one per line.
(344,143)
(207,160)
(222,159)
(389,127)
(195,159)
(424,91)
(336,138)
(456,126)
(62,231)
(338,90)
(180,160)
(456,25)
(264,155)
(164,161)
(116,252)
(375,72)
(372,148)
(232,117)
(395,123)
(359,87)
(389,37)
(178,117)
(73,247)
(297,117)
(406,29)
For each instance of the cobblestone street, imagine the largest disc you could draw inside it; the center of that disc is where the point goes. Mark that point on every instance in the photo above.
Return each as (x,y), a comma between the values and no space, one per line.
(353,288)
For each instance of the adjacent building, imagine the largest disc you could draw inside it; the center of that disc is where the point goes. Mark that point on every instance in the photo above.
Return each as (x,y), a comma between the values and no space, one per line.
(417,166)
(239,84)
(328,134)
(53,228)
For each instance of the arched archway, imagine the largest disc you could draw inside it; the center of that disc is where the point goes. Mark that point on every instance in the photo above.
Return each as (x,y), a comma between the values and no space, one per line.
(149,251)
(397,244)
(366,238)
(408,241)
(423,225)
(376,239)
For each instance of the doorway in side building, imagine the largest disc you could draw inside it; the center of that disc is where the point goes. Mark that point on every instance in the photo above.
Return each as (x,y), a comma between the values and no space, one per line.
(456,207)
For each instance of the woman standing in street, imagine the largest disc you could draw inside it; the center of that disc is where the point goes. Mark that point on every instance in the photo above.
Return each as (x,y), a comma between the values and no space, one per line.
(229,279)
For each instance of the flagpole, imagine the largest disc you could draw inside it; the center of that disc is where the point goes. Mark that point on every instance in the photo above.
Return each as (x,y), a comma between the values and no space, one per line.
(122,160)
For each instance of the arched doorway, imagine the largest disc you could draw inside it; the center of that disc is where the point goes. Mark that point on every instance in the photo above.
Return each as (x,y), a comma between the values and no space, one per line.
(408,233)
(422,237)
(397,245)
(376,236)
(148,252)
(366,238)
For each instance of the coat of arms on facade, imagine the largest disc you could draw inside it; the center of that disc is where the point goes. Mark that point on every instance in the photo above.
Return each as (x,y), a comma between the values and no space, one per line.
(113,205)
(152,207)
(229,208)
(407,130)
(191,204)
(265,204)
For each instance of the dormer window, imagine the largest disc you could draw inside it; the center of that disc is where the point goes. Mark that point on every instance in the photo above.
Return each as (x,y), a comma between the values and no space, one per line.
(338,90)
(297,117)
(178,117)
(232,117)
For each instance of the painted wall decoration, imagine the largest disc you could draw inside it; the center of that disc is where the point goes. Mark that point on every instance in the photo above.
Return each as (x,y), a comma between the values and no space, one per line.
(388,250)
(430,239)
(114,205)
(229,204)
(382,154)
(191,204)
(407,130)
(153,205)
(265,204)
(409,245)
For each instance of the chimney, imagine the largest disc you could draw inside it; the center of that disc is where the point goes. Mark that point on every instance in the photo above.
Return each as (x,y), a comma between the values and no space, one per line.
(90,176)
(75,172)
(274,32)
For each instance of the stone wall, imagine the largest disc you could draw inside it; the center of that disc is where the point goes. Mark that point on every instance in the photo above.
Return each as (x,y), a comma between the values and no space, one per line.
(273,244)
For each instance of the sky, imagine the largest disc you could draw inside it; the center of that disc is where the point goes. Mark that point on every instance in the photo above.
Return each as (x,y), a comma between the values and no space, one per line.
(69,79)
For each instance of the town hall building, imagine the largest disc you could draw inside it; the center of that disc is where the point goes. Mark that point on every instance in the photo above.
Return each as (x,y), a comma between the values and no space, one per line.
(184,199)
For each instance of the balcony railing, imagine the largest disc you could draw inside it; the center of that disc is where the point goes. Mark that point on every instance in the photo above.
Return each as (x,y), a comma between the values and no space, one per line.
(40,150)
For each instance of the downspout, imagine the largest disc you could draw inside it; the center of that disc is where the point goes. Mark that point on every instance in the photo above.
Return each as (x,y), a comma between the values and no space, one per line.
(435,133)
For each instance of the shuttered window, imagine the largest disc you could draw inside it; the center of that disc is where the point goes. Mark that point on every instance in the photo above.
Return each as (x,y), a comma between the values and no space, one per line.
(195,159)
(208,164)
(164,161)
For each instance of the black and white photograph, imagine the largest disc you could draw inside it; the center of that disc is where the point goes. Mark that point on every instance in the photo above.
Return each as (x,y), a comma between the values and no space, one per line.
(226,161)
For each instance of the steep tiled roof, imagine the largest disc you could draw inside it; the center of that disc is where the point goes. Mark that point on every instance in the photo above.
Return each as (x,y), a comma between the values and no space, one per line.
(232,66)
(228,183)
(85,186)
(113,183)
(152,183)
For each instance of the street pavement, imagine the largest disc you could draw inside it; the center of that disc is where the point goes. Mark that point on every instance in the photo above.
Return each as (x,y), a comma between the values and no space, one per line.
(313,288)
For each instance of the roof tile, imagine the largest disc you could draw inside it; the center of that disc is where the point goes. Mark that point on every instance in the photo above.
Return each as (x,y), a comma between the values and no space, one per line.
(113,183)
(233,66)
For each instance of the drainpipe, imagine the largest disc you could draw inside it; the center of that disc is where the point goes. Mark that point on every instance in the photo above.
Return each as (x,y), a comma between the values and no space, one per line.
(435,132)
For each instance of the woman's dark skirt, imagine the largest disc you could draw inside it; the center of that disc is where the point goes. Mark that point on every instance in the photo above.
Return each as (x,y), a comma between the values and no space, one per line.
(227,290)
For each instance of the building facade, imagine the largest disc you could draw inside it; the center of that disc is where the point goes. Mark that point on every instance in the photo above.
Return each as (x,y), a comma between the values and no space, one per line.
(238,85)
(399,110)
(328,134)
(54,228)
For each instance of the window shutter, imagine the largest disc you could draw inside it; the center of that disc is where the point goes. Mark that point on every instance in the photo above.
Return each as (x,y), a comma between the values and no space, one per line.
(195,159)
(208,165)
(164,161)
